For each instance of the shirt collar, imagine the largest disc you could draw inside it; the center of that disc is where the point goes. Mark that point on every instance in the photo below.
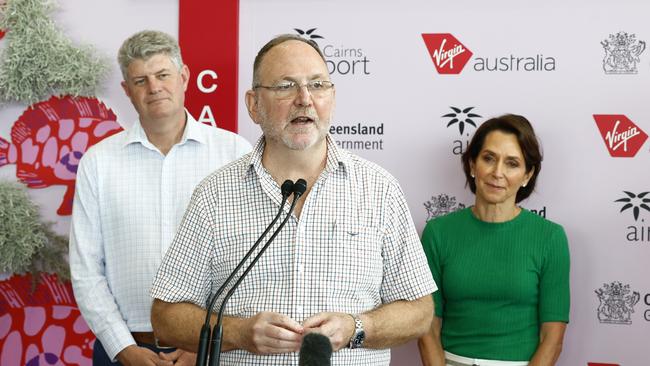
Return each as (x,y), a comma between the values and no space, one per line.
(254,163)
(192,132)
(336,158)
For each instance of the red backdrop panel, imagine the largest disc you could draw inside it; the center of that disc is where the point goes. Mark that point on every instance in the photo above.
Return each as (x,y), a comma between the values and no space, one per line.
(209,36)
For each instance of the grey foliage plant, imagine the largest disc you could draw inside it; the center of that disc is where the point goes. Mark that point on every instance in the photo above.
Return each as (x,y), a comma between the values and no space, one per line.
(27,244)
(39,61)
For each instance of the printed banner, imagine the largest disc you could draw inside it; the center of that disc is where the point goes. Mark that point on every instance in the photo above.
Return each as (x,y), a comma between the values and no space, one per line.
(208,36)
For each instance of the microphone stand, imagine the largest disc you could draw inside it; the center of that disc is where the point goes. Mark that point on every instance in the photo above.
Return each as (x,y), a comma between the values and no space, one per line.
(205,336)
(215,348)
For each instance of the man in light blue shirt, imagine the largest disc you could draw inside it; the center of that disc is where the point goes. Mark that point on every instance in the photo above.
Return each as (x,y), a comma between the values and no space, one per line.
(131,192)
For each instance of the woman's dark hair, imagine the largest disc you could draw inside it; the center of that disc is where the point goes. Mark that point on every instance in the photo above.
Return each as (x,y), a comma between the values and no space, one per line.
(523,131)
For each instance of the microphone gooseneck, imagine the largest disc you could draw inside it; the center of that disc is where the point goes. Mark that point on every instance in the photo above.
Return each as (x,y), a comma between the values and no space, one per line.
(287,189)
(215,343)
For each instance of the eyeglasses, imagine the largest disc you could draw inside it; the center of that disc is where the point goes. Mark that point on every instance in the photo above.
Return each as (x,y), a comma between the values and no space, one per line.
(289,89)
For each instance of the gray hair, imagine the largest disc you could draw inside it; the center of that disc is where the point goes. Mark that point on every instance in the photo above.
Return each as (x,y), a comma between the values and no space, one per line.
(146,44)
(274,42)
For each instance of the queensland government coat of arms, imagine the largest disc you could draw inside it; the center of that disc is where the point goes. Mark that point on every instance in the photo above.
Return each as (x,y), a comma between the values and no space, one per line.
(616,303)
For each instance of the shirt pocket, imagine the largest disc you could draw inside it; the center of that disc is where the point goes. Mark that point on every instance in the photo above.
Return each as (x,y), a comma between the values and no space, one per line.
(355,276)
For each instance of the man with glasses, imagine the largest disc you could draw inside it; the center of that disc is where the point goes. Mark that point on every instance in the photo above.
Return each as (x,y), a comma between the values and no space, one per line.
(348,264)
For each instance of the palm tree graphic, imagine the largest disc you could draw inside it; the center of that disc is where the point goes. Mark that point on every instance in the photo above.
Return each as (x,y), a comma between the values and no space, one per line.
(630,203)
(461,116)
(308,33)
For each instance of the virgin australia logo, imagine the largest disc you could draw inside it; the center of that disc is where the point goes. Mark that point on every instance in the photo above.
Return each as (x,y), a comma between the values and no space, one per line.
(441,205)
(616,138)
(622,53)
(444,49)
(622,137)
(616,303)
(443,57)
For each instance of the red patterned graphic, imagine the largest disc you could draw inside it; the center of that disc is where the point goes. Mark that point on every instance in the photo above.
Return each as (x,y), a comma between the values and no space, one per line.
(622,137)
(602,364)
(448,54)
(44,327)
(50,137)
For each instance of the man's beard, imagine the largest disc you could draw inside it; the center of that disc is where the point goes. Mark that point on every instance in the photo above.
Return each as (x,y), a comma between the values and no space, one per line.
(288,130)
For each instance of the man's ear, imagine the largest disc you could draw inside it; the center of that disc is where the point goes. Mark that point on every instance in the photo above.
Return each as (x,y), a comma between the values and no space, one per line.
(125,87)
(251,105)
(185,76)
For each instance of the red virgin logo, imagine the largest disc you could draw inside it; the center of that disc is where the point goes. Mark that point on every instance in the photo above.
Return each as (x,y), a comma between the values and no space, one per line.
(622,137)
(448,54)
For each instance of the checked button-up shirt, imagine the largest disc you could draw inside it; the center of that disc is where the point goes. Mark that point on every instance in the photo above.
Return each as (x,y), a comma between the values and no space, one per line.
(353,248)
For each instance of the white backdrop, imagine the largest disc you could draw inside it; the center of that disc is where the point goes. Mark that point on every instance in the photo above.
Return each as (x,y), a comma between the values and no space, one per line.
(579,181)
(395,85)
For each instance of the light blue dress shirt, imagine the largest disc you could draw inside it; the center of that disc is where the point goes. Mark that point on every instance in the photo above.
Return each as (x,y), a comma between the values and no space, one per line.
(129,200)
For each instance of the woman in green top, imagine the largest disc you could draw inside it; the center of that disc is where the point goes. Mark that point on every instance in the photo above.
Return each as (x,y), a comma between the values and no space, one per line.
(502,271)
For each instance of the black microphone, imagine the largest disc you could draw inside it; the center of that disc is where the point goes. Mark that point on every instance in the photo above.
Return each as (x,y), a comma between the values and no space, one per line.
(217,333)
(316,350)
(287,189)
(299,188)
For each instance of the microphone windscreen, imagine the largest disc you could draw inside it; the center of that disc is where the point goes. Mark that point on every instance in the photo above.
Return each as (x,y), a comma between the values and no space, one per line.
(300,187)
(316,350)
(287,188)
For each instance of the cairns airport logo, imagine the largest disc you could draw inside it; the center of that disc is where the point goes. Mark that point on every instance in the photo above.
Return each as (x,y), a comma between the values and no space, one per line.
(638,205)
(340,59)
(462,119)
(450,56)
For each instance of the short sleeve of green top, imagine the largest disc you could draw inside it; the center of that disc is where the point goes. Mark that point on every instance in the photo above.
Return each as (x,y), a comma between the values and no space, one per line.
(497,282)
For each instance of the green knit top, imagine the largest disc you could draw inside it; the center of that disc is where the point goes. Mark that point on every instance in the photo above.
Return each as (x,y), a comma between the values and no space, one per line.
(497,282)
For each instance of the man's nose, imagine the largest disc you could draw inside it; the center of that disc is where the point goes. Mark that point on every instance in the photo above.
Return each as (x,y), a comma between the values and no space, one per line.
(153,85)
(303,96)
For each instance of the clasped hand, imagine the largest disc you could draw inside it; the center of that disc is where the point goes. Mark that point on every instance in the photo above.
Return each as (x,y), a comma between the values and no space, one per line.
(269,333)
(138,356)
